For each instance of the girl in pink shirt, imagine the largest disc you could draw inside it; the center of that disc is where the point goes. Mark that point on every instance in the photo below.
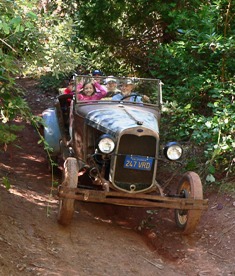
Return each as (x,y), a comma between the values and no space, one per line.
(91,91)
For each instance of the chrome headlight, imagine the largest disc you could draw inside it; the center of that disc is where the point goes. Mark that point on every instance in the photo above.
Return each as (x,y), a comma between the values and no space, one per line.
(173,151)
(106,144)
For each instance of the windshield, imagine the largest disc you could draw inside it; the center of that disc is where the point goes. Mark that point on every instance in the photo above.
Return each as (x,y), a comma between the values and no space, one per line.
(122,89)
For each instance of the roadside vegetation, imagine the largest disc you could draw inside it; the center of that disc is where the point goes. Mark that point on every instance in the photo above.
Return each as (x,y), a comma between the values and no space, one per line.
(189,45)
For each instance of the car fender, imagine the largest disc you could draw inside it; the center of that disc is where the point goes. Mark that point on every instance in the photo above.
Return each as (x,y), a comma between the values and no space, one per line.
(52,133)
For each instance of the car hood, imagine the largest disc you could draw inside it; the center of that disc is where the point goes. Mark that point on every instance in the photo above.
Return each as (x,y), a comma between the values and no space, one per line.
(114,120)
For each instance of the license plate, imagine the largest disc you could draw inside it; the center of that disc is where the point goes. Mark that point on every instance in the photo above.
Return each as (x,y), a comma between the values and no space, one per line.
(136,162)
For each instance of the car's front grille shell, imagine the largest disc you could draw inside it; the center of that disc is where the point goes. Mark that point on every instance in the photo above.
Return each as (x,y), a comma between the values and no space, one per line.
(144,145)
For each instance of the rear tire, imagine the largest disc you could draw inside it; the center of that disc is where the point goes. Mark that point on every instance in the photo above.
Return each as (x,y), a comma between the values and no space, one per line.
(190,185)
(66,206)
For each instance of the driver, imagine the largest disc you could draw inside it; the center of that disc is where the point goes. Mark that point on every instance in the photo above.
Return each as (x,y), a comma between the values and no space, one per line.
(127,91)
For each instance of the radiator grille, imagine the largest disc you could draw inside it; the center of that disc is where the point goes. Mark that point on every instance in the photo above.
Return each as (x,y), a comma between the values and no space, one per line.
(134,145)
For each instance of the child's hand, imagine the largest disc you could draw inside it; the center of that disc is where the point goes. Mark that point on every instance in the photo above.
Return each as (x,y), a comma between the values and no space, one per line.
(82,81)
(145,99)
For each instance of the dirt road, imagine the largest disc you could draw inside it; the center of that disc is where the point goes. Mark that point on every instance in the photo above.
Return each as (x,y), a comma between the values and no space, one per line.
(102,240)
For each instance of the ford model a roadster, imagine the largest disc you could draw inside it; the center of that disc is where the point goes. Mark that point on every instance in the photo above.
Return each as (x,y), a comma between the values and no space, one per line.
(111,152)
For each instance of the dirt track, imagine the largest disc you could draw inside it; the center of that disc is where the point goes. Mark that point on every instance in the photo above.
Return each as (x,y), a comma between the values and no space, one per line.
(102,240)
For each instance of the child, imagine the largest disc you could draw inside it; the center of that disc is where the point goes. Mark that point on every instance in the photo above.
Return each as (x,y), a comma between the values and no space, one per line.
(70,88)
(97,76)
(111,84)
(90,91)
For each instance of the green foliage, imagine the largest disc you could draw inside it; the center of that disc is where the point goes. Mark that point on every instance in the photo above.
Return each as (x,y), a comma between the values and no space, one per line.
(18,44)
(6,182)
(29,42)
(60,54)
(8,133)
(215,133)
(198,74)
(51,83)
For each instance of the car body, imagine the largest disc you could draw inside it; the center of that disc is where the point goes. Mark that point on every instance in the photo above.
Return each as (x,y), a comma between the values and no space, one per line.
(111,151)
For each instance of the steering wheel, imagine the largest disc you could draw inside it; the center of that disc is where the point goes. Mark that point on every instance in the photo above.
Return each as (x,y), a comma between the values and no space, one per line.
(135,95)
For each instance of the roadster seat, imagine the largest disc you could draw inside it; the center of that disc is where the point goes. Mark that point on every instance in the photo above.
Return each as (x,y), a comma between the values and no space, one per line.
(64,102)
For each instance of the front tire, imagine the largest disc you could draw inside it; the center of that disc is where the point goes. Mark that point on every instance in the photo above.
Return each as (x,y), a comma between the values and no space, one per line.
(191,187)
(66,206)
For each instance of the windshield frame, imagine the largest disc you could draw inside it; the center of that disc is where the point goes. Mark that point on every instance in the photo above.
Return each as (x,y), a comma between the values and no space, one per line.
(153,87)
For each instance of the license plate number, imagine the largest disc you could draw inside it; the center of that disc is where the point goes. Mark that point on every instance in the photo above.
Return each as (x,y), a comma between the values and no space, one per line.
(136,162)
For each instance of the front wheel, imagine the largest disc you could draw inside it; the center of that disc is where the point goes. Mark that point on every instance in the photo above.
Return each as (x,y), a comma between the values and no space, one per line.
(66,206)
(190,186)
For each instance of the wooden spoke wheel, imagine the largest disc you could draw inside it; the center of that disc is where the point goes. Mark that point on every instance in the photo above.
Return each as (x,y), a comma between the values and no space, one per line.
(190,186)
(66,205)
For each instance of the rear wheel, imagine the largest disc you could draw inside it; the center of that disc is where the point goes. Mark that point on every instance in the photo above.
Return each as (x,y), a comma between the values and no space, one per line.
(190,186)
(66,206)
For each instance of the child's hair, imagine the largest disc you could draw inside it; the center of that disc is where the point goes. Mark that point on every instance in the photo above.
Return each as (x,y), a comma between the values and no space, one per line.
(71,83)
(85,83)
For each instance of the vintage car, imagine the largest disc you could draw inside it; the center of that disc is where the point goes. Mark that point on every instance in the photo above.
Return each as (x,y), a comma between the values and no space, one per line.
(111,151)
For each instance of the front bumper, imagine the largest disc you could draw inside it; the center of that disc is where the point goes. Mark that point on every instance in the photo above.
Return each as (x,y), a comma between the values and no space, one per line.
(134,200)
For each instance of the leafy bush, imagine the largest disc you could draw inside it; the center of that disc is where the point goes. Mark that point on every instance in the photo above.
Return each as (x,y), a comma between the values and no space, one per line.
(51,83)
(8,133)
(214,133)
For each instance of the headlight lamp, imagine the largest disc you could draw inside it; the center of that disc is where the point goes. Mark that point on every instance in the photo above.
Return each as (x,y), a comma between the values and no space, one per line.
(173,151)
(106,144)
